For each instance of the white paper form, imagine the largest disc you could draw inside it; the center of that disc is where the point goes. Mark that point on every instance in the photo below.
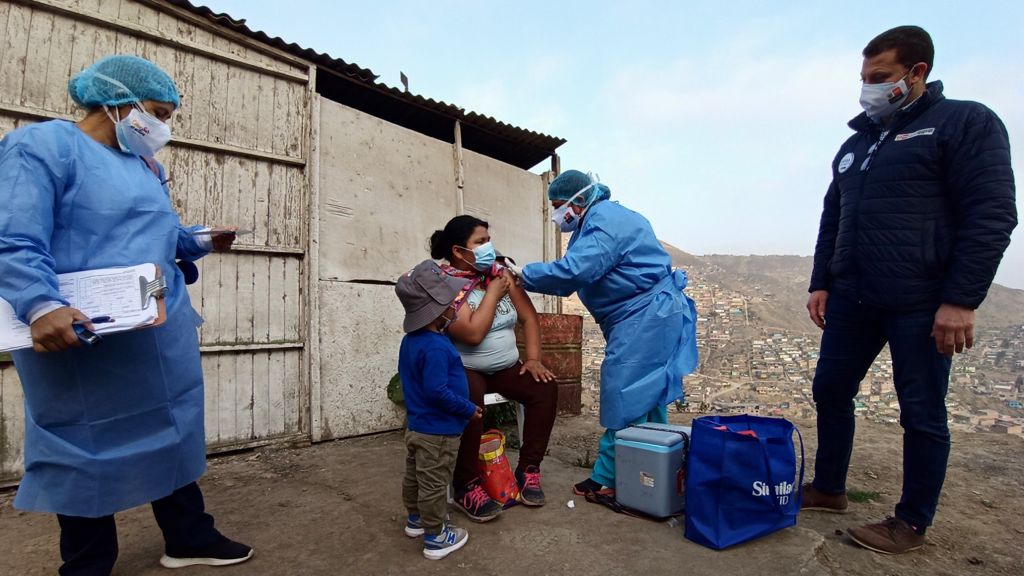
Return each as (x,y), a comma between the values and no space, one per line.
(113,292)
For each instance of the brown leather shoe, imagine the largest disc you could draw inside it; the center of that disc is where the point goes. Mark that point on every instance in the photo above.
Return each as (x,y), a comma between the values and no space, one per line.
(817,500)
(893,536)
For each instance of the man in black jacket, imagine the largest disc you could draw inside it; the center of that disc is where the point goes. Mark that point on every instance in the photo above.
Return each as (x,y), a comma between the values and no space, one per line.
(915,222)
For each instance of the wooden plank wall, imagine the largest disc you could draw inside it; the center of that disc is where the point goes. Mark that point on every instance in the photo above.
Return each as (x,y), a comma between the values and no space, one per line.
(12,423)
(238,157)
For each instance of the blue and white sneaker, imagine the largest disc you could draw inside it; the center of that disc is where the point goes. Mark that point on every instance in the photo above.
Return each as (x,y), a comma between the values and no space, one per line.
(450,539)
(413,528)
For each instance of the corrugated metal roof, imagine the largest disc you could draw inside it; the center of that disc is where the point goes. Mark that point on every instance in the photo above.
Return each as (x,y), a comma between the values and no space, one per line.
(357,87)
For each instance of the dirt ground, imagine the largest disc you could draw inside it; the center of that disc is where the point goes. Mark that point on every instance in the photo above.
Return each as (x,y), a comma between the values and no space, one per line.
(335,508)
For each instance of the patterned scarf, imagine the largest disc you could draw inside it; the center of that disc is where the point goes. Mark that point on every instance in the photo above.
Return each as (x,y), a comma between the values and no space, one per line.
(475,277)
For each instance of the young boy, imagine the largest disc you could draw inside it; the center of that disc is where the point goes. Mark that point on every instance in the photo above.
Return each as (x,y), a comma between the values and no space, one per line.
(437,401)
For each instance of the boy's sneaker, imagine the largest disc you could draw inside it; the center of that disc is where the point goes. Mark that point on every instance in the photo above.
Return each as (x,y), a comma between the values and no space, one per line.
(893,536)
(530,492)
(450,539)
(224,552)
(814,499)
(476,504)
(413,528)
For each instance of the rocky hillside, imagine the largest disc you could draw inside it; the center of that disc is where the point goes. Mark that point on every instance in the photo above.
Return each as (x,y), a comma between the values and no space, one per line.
(777,287)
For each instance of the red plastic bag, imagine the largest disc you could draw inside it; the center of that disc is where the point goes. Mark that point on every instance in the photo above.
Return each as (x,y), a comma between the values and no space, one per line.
(495,470)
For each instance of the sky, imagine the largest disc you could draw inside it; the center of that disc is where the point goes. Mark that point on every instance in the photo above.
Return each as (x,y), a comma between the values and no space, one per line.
(717,121)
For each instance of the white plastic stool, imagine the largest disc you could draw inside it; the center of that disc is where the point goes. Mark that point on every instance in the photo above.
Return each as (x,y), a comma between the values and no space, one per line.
(495,398)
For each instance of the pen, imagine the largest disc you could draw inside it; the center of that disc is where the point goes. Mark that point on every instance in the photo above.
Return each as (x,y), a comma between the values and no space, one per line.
(96,320)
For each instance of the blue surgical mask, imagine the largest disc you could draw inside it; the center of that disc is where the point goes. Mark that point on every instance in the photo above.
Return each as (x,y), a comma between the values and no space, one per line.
(484,256)
(566,218)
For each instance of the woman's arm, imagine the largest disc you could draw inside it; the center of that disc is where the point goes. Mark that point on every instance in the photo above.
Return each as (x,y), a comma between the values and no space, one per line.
(528,318)
(32,177)
(531,328)
(33,168)
(472,326)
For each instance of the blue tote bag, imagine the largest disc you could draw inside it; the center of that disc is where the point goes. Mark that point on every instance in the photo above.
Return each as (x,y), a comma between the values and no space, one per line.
(739,481)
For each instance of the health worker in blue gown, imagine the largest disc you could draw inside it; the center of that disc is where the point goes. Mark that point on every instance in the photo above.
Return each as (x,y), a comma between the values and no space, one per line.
(120,423)
(625,278)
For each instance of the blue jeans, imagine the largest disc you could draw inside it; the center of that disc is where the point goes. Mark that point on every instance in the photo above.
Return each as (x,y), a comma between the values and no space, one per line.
(854,335)
(604,466)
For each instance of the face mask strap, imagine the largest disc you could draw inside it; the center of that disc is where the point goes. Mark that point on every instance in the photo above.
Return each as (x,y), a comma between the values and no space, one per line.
(106,109)
(464,249)
(446,323)
(582,190)
(910,70)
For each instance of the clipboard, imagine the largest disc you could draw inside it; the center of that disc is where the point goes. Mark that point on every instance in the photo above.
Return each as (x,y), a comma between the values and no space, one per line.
(134,296)
(157,288)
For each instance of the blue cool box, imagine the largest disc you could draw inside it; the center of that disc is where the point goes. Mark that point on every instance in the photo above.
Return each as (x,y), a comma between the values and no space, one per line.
(650,468)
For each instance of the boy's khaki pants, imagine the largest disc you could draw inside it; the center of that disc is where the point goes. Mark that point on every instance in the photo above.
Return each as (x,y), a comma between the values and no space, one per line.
(429,462)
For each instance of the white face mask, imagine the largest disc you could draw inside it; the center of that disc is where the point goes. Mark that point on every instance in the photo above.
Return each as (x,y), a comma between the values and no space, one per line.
(882,100)
(139,132)
(566,218)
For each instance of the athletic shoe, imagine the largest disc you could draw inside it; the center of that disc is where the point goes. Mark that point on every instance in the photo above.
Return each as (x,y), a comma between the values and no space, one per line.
(530,492)
(475,503)
(413,528)
(224,552)
(450,539)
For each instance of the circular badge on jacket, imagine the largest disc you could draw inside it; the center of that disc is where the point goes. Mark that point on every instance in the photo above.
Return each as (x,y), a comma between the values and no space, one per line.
(846,162)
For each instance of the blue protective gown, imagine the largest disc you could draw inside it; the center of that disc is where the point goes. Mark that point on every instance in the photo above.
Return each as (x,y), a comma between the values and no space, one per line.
(119,424)
(625,279)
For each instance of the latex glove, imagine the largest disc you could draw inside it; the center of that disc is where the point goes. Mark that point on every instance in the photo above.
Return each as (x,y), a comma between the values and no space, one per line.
(515,270)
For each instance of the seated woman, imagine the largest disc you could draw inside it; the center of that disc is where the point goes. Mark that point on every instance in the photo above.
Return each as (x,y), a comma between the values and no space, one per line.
(484,334)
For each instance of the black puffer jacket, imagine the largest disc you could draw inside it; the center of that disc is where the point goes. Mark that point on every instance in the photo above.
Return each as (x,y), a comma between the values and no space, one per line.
(920,215)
